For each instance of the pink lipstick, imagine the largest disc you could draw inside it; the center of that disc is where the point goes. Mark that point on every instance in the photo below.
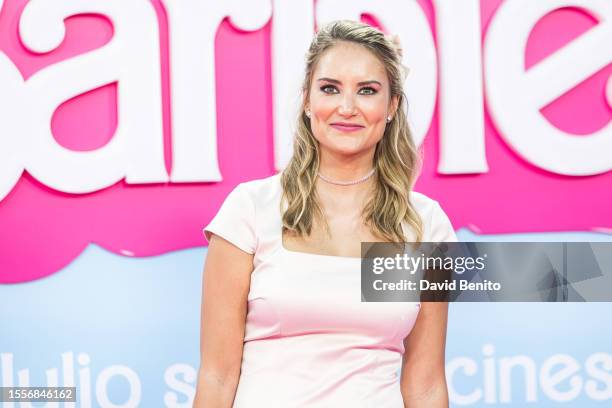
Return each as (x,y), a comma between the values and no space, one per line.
(346,127)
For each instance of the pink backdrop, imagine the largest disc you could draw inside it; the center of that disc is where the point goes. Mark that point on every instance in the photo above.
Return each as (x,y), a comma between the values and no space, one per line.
(42,230)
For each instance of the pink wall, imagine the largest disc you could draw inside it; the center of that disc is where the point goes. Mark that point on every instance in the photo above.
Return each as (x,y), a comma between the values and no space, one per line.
(42,230)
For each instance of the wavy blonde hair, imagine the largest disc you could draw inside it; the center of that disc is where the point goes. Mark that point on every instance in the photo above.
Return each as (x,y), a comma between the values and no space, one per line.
(396,158)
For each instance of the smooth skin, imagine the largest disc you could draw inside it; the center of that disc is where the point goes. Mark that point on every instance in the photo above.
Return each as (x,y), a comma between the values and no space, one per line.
(349,84)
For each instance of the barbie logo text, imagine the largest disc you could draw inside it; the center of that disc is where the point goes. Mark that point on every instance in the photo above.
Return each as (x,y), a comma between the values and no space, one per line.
(131,59)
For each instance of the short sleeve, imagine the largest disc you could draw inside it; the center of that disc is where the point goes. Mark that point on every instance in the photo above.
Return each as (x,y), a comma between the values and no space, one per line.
(441,229)
(235,220)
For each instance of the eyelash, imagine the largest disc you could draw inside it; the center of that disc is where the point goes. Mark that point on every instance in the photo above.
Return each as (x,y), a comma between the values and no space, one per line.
(373,91)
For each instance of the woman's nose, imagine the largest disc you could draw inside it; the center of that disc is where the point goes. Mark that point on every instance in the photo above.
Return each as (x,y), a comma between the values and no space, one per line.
(347,107)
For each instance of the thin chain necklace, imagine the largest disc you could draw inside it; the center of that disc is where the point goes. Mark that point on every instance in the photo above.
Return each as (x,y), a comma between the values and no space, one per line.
(347,183)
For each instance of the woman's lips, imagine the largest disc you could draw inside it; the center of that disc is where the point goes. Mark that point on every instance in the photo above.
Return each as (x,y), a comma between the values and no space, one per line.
(345,127)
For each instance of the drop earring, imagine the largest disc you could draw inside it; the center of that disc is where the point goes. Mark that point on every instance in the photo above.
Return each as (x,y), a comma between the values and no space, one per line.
(388,119)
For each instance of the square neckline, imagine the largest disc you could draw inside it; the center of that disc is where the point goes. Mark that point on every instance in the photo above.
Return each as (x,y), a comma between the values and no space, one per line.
(302,253)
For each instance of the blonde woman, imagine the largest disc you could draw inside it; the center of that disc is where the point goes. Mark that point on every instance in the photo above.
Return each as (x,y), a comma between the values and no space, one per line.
(282,320)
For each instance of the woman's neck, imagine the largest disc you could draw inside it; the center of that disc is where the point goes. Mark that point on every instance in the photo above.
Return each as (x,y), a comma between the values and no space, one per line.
(338,170)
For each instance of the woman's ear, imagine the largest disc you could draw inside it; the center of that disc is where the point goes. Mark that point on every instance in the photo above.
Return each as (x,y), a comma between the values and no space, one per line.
(305,100)
(393,105)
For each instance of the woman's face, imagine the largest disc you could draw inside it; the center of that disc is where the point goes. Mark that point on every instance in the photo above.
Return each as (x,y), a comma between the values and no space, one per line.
(349,100)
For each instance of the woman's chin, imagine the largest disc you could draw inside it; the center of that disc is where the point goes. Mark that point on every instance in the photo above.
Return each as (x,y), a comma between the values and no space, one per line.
(346,150)
(346,147)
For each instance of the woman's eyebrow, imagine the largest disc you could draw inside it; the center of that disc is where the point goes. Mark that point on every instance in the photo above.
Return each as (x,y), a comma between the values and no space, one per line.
(335,81)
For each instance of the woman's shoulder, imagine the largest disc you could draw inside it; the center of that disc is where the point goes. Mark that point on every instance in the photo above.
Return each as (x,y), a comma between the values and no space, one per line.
(436,224)
(262,190)
(236,220)
(422,203)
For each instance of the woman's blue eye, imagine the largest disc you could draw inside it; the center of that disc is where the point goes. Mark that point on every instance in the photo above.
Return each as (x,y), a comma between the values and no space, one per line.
(326,88)
(368,90)
(330,89)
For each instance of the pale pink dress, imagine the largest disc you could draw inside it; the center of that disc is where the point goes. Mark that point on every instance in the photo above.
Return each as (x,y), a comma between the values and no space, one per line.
(309,340)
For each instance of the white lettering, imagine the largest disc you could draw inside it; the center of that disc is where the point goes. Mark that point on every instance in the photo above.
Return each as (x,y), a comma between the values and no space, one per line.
(291,35)
(68,374)
(490,373)
(505,377)
(193,25)
(550,380)
(132,379)
(185,387)
(132,59)
(603,374)
(515,97)
(470,368)
(84,381)
(13,126)
(462,134)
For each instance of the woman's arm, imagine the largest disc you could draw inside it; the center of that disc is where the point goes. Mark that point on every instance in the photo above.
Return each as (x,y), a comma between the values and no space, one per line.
(225,287)
(423,381)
